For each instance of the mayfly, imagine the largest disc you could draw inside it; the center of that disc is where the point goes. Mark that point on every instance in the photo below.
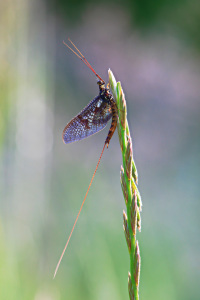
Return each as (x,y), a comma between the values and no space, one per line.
(90,120)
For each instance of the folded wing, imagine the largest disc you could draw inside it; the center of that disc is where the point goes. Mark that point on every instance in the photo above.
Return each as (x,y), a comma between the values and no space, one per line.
(90,120)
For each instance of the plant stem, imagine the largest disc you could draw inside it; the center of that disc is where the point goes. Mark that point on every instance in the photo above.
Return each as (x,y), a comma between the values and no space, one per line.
(129,181)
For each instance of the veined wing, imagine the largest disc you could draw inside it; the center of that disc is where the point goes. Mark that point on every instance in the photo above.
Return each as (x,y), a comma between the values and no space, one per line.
(90,120)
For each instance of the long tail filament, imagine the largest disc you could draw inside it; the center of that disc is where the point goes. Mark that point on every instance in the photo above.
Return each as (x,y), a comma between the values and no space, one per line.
(58,264)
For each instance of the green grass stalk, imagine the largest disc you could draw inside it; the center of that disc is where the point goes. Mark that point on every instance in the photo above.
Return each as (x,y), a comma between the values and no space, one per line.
(129,181)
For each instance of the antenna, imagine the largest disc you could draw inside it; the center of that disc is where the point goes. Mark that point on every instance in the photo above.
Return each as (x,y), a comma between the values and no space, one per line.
(82,58)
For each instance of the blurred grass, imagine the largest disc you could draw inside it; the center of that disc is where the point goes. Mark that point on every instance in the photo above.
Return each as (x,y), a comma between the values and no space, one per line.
(43,181)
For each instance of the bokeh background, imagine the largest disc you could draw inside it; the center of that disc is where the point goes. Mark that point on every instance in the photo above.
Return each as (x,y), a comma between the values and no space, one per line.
(153,48)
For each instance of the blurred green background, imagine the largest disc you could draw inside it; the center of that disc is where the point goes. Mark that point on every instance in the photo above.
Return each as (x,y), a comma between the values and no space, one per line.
(153,48)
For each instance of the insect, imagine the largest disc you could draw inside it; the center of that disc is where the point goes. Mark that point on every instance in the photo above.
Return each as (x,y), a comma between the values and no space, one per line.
(90,120)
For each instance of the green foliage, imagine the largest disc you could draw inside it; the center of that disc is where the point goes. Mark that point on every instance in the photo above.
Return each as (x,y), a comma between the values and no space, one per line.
(129,180)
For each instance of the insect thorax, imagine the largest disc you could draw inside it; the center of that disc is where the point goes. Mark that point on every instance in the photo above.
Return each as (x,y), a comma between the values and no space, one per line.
(104,92)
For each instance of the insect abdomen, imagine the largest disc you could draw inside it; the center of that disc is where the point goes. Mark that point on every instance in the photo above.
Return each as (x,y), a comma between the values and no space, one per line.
(113,123)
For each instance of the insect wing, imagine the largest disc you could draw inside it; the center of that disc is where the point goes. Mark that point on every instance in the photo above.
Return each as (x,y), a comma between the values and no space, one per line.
(90,120)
